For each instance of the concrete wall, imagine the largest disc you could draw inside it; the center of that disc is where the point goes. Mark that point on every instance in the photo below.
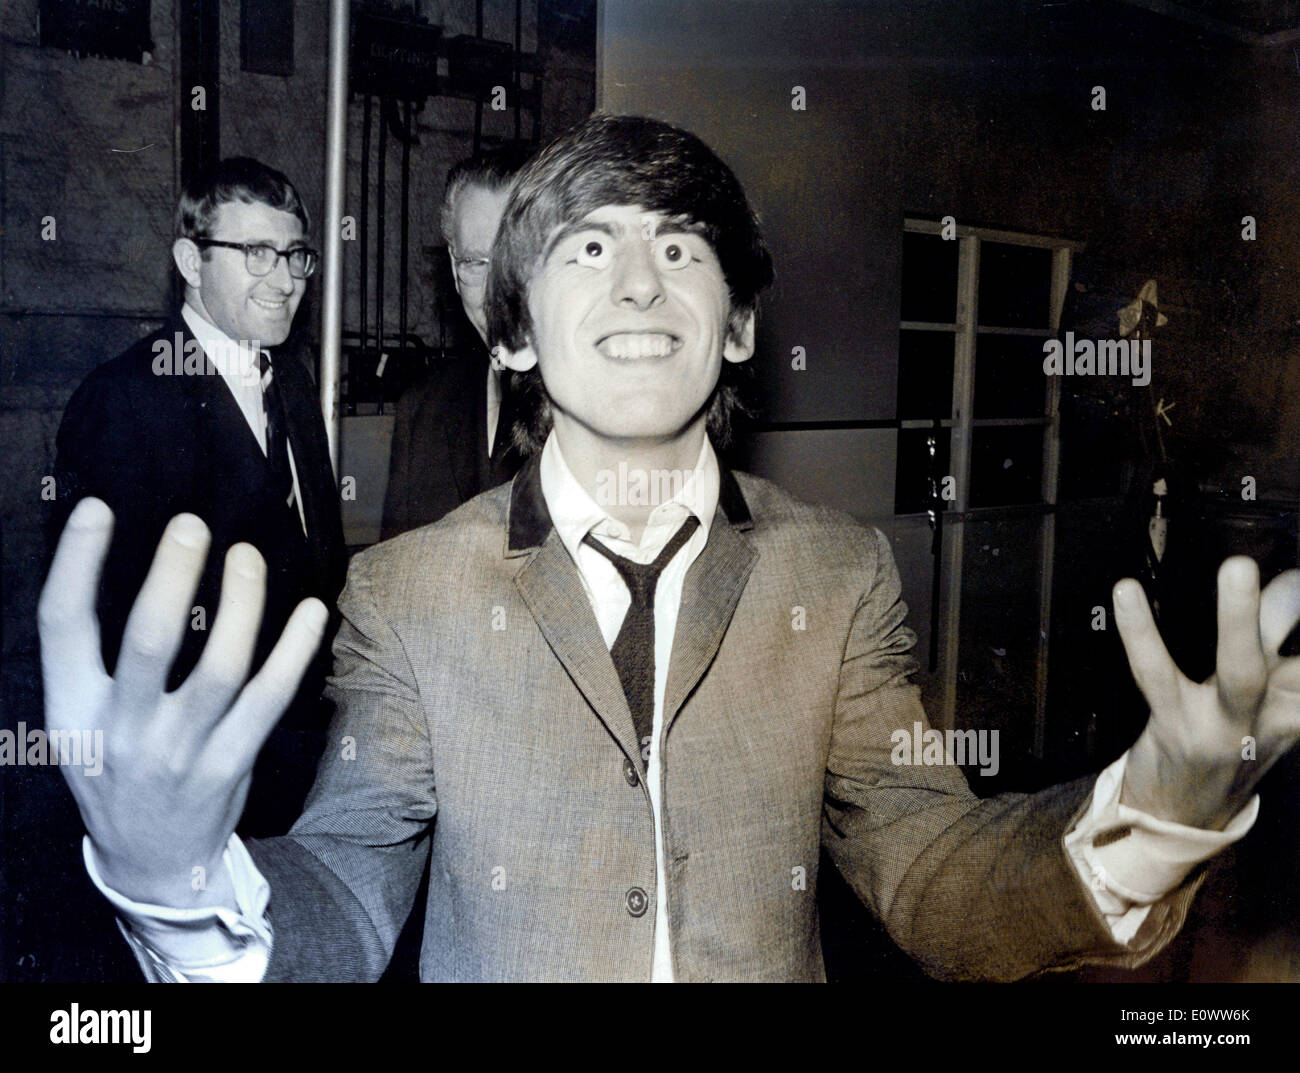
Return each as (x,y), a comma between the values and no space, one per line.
(824,179)
(90,143)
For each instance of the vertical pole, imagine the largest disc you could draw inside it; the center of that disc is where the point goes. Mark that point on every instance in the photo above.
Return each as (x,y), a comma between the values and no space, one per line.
(331,321)
(364,330)
(404,269)
(381,225)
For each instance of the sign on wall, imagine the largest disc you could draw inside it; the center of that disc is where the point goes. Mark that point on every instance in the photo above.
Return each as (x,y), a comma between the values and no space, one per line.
(116,29)
(394,57)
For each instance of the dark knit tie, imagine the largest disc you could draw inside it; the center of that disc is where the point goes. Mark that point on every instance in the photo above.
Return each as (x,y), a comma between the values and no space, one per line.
(634,647)
(277,444)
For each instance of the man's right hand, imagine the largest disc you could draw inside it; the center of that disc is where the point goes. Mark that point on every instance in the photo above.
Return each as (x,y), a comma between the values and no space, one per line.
(177,766)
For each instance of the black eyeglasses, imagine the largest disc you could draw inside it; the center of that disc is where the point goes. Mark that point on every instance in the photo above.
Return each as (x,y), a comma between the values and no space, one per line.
(471,270)
(261,259)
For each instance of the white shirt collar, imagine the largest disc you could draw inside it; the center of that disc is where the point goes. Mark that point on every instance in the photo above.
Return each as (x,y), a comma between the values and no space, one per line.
(235,360)
(574,513)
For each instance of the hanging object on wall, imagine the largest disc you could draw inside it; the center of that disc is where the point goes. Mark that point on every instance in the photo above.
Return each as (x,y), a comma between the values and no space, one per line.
(475,65)
(1146,303)
(114,29)
(489,73)
(394,57)
(1158,524)
(1138,322)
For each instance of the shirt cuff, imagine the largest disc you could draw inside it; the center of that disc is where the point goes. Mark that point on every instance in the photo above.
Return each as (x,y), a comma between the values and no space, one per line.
(204,944)
(1129,860)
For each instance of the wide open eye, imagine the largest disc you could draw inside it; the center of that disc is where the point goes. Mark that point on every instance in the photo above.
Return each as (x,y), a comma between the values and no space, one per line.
(671,254)
(594,253)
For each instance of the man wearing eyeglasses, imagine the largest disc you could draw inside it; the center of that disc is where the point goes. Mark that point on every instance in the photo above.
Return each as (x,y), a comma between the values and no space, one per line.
(206,416)
(452,433)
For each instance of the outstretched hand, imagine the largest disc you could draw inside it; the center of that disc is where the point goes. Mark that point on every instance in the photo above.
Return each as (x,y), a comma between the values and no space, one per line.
(177,766)
(1207,745)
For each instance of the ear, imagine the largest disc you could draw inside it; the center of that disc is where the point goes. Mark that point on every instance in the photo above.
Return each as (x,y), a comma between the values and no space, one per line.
(739,344)
(188,258)
(519,361)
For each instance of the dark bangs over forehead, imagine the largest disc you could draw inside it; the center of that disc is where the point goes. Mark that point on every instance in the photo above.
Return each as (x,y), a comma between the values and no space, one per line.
(622,160)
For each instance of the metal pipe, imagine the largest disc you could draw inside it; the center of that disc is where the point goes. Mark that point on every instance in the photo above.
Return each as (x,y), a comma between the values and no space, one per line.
(365,229)
(381,248)
(331,321)
(405,254)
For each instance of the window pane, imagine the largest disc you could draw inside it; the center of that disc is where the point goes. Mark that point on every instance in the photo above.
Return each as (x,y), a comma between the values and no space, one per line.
(1009,379)
(925,374)
(912,486)
(998,635)
(929,278)
(1015,286)
(1006,466)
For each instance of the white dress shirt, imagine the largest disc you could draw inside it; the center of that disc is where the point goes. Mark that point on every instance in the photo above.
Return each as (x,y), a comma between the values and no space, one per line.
(575,514)
(236,361)
(1125,876)
(493,406)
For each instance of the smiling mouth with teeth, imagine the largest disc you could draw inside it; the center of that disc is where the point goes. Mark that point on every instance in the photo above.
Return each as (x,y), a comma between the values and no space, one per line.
(632,346)
(266,304)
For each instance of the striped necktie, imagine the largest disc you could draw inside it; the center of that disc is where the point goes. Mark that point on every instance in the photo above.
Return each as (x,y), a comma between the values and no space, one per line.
(277,441)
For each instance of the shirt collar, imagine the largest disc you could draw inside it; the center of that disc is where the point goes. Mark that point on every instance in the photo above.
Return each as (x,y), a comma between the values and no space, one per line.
(235,360)
(574,513)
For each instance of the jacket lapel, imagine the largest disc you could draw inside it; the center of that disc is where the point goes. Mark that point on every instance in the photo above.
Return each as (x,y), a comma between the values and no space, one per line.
(229,437)
(552,589)
(709,596)
(316,480)
(297,417)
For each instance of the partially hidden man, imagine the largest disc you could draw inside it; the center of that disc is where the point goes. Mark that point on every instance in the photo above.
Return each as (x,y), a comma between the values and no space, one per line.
(596,715)
(453,430)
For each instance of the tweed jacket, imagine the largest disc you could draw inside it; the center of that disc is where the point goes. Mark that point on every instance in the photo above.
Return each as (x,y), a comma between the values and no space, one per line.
(480,719)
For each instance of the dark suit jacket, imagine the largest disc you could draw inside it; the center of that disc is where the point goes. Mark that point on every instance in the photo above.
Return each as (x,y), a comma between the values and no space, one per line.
(481,724)
(152,446)
(439,458)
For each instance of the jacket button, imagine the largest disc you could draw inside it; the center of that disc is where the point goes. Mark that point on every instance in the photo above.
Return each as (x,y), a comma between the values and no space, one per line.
(629,772)
(637,902)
